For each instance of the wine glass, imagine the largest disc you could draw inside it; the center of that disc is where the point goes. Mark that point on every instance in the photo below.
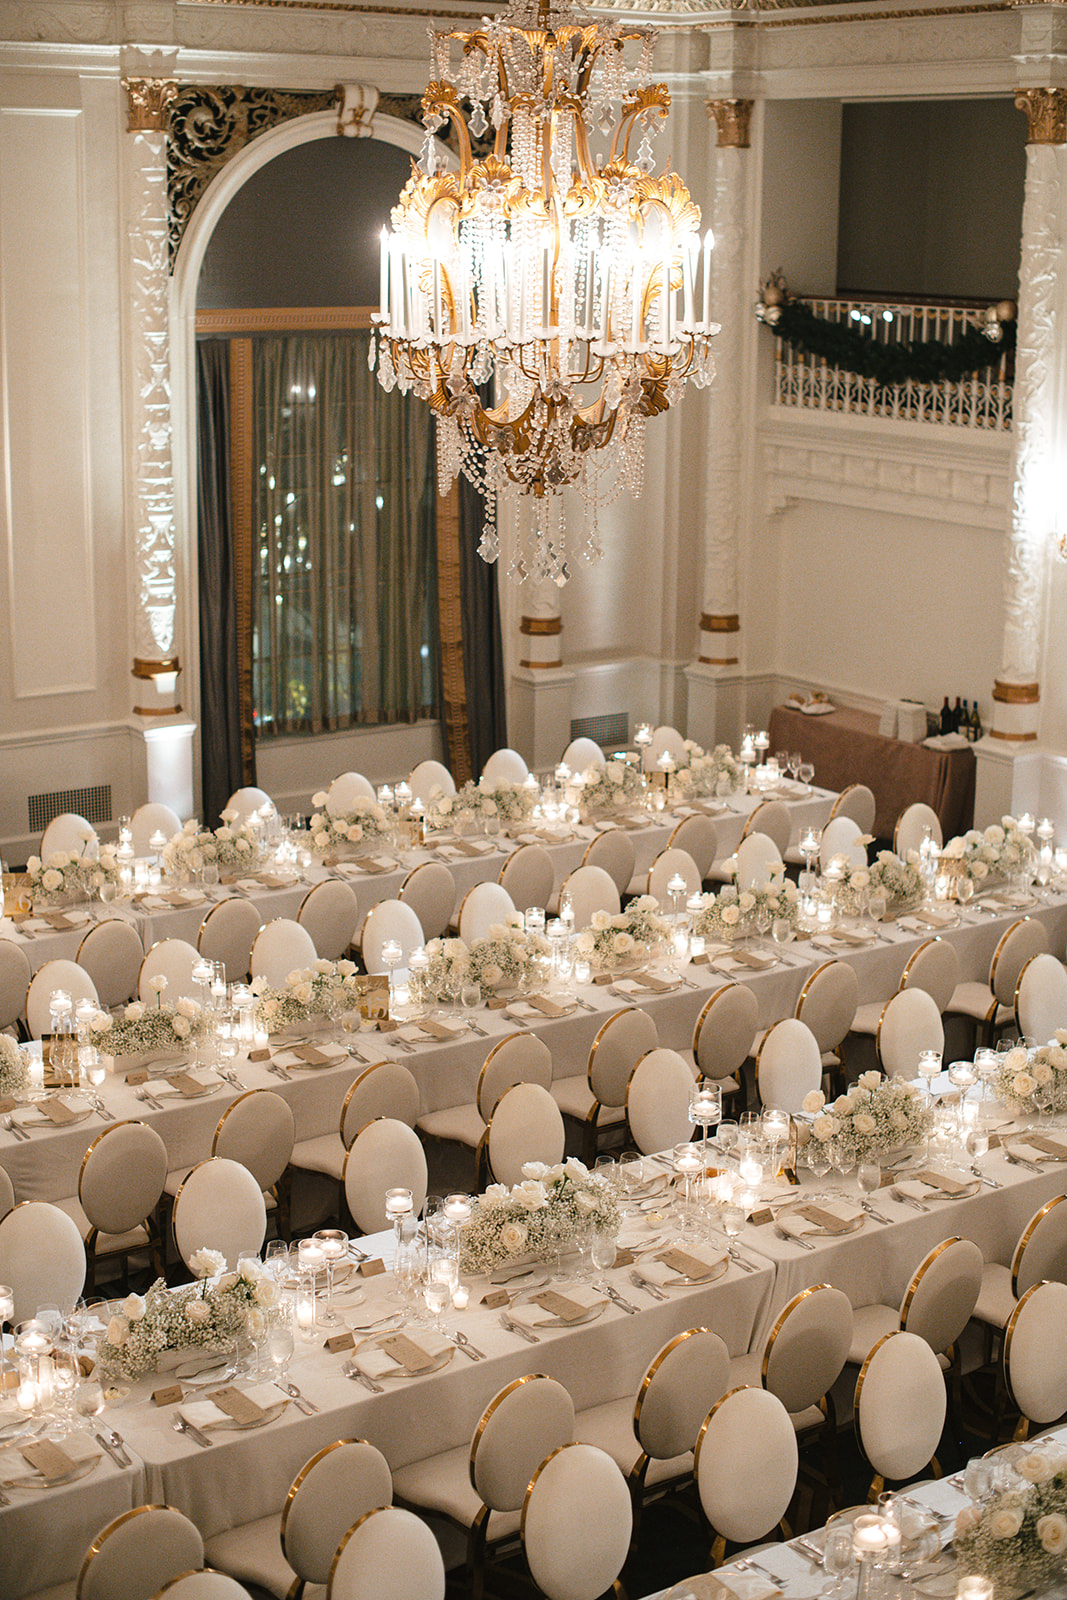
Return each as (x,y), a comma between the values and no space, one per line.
(782,930)
(964,888)
(817,1158)
(877,901)
(470,995)
(280,1348)
(806,772)
(726,1136)
(843,1161)
(631,1175)
(869,1178)
(794,762)
(837,1557)
(732,1220)
(977,1145)
(602,1250)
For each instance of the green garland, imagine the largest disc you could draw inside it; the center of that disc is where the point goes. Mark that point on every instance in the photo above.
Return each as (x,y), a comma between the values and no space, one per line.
(913,361)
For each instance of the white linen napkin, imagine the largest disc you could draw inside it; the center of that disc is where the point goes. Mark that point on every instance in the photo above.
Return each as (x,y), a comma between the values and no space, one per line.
(799,1227)
(376,1363)
(206,1414)
(581,1294)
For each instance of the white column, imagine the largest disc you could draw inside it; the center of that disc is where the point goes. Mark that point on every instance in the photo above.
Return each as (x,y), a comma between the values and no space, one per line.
(714,679)
(1008,764)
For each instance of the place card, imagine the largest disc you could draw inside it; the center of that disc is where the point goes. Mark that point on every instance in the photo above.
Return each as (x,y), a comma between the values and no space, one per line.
(558,1305)
(312,1056)
(685,1265)
(439,1030)
(407,1353)
(236,1404)
(190,1087)
(624,1257)
(254,1055)
(747,958)
(762,1216)
(941,1180)
(493,1300)
(602,978)
(550,1008)
(170,1395)
(48,1458)
(57,1111)
(371,1269)
(824,1220)
(136,1076)
(496,1002)
(1040,1141)
(9,1379)
(645,980)
(341,1341)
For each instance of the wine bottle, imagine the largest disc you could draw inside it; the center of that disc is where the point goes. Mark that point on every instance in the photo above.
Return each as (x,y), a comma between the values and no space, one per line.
(976,724)
(965,722)
(946,716)
(957,715)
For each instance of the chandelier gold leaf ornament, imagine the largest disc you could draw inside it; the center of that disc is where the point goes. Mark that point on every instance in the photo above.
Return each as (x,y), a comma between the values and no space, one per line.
(580,292)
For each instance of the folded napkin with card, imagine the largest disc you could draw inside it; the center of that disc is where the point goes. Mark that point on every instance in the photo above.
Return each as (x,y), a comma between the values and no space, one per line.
(50,1460)
(56,1110)
(431,1028)
(539,1005)
(1033,1146)
(931,1185)
(676,1266)
(821,1218)
(183,1085)
(309,1057)
(553,1308)
(408,1352)
(233,1407)
(919,921)
(739,960)
(644,983)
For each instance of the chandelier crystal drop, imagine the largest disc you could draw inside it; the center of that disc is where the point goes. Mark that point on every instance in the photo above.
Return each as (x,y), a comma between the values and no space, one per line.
(577,292)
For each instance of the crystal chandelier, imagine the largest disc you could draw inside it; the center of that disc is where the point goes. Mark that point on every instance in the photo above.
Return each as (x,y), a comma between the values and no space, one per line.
(580,291)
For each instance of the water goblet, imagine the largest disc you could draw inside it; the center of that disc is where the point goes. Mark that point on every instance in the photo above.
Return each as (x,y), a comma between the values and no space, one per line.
(732,1220)
(89,1398)
(977,1145)
(470,995)
(843,1161)
(726,1136)
(280,1348)
(436,1295)
(837,1557)
(964,888)
(782,930)
(868,1177)
(793,762)
(276,1259)
(631,1175)
(806,773)
(817,1158)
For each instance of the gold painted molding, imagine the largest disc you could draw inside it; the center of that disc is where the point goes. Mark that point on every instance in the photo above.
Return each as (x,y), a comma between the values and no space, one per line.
(1012,738)
(242,468)
(717,661)
(156,711)
(540,666)
(283,319)
(154,669)
(1046,115)
(541,625)
(710,623)
(148,102)
(732,119)
(1017,694)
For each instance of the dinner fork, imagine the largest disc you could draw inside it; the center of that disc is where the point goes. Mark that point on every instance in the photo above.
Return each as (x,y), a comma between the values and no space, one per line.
(181,1426)
(16,1131)
(356,1373)
(649,1288)
(516,1327)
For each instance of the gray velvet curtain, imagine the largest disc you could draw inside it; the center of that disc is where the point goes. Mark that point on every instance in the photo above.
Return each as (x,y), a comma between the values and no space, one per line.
(483,651)
(220,717)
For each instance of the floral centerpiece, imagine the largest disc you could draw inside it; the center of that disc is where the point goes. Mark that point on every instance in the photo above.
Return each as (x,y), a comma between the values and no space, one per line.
(146,1029)
(539,1217)
(875,1116)
(507,958)
(325,989)
(1017,1534)
(447,810)
(365,824)
(1022,1074)
(600,791)
(14,1073)
(448,964)
(233,845)
(999,851)
(68,876)
(207,1315)
(501,801)
(900,881)
(723,916)
(612,940)
(708,773)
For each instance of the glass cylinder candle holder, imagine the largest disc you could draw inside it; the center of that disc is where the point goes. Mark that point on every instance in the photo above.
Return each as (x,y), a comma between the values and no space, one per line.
(306,1311)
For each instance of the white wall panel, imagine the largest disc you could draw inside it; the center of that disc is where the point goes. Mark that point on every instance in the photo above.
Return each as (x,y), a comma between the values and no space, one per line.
(45,393)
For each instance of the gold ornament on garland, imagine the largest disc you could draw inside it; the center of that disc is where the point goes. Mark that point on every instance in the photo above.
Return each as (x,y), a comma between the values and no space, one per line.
(907,361)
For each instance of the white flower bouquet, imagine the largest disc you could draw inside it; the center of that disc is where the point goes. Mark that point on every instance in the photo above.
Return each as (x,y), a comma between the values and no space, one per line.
(14,1072)
(200,1315)
(508,957)
(447,810)
(708,773)
(325,989)
(143,1029)
(1025,1077)
(68,876)
(539,1217)
(1017,1534)
(449,963)
(497,800)
(233,845)
(900,881)
(601,791)
(616,939)
(361,828)
(999,851)
(875,1116)
(725,915)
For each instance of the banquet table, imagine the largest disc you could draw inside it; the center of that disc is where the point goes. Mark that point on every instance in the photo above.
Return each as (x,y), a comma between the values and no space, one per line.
(845,747)
(46,1166)
(178,913)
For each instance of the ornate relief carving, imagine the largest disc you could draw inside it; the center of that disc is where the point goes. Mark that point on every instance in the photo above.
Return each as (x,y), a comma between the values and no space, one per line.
(730,307)
(1038,362)
(1046,115)
(147,102)
(732,118)
(858,476)
(355,109)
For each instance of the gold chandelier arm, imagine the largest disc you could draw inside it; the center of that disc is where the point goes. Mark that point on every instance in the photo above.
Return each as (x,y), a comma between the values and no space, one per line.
(441,99)
(652,101)
(582,153)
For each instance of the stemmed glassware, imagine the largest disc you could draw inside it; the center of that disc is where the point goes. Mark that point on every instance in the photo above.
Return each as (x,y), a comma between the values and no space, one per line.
(392,955)
(333,1243)
(775,1127)
(705,1107)
(806,773)
(962,1075)
(929,1068)
(687,1164)
(399,1205)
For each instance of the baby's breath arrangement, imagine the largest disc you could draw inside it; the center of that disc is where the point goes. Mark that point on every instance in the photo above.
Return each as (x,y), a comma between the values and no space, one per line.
(724,915)
(508,957)
(1017,1534)
(67,874)
(325,989)
(875,1116)
(538,1217)
(365,824)
(900,881)
(205,1315)
(449,963)
(601,791)
(620,937)
(709,772)
(446,810)
(14,1073)
(1022,1075)
(143,1027)
(997,851)
(501,801)
(234,844)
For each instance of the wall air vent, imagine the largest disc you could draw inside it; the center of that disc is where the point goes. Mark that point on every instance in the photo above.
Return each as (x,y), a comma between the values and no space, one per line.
(93,804)
(611,732)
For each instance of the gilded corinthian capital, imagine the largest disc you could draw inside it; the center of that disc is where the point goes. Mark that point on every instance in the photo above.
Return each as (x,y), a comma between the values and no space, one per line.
(147,103)
(1046,115)
(732,118)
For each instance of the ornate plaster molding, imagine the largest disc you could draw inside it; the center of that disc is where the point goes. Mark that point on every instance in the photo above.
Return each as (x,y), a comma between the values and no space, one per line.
(846,471)
(732,119)
(1046,115)
(147,103)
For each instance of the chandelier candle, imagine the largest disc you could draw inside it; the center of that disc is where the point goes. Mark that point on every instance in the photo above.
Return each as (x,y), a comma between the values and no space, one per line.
(538,267)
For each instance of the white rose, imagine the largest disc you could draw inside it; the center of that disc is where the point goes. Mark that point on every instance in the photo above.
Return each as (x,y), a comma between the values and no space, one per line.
(869,1080)
(861,879)
(100,1022)
(118,1331)
(614,772)
(1052,1531)
(1023,1085)
(318,798)
(133,1307)
(355,833)
(134,1012)
(1016,1059)
(824,1127)
(186,1007)
(966,1519)
(1042,1072)
(496,1194)
(52,879)
(1035,1467)
(747,900)
(864,1123)
(33,865)
(1005,1522)
(492,974)
(575,1170)
(585,1202)
(347,969)
(303,993)
(979,870)
(813,1102)
(530,1195)
(599,921)
(730,915)
(181,1026)
(267,1291)
(157,982)
(585,944)
(513,1237)
(622,944)
(197,1312)
(205,1263)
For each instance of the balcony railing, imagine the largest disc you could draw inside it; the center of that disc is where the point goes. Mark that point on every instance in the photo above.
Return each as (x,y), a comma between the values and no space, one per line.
(982,400)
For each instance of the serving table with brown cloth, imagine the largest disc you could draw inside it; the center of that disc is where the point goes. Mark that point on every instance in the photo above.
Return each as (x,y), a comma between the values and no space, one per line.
(845,747)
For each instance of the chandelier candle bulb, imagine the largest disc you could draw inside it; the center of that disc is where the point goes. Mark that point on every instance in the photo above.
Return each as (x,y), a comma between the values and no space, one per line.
(709,245)
(383,274)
